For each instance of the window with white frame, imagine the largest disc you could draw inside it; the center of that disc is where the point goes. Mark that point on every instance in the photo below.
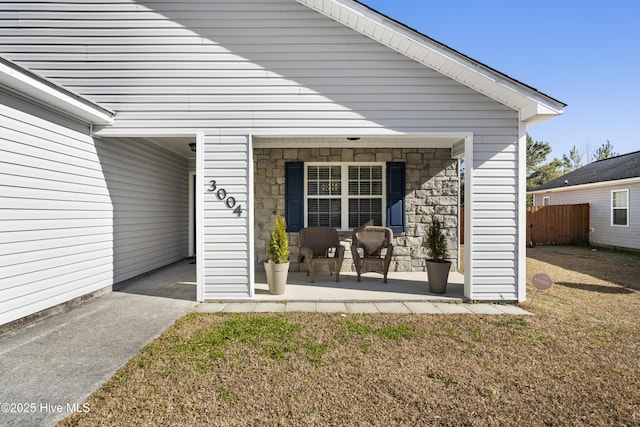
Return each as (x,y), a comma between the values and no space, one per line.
(546,201)
(620,208)
(344,195)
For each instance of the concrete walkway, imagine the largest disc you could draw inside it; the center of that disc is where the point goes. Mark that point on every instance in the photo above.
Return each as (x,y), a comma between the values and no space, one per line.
(360,307)
(51,366)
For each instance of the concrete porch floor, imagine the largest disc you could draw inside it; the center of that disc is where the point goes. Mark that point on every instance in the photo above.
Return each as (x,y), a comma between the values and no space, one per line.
(400,287)
(178,281)
(404,293)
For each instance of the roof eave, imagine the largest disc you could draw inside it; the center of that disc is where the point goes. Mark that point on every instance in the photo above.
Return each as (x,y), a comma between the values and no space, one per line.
(32,86)
(536,112)
(614,182)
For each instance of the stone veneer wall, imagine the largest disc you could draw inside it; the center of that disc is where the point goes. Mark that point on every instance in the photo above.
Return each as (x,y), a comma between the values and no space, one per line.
(431,187)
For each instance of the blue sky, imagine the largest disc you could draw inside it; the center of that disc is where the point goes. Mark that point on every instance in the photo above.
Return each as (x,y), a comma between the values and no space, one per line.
(583,53)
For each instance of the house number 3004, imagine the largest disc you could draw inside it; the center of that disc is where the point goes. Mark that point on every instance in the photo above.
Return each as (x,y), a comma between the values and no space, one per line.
(221,194)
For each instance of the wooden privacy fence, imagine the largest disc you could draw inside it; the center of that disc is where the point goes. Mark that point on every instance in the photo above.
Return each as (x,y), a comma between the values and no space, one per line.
(552,225)
(558,225)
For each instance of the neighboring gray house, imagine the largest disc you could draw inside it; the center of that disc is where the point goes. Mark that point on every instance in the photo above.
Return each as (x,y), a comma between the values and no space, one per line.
(612,189)
(102,100)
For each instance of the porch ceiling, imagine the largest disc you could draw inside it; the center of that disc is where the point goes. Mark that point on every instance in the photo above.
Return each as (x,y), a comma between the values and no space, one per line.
(176,144)
(179,145)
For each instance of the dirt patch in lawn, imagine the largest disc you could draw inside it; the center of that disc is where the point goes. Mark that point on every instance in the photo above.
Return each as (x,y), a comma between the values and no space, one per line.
(575,362)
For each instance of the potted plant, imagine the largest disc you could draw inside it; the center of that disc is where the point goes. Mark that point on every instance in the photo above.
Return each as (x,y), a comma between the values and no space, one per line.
(437,267)
(277,267)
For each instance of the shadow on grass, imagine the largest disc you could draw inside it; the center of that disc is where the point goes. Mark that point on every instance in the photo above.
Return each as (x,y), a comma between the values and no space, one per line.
(617,268)
(596,288)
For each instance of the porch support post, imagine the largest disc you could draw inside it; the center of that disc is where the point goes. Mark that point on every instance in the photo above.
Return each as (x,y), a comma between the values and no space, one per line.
(468,214)
(199,216)
(521,232)
(251,218)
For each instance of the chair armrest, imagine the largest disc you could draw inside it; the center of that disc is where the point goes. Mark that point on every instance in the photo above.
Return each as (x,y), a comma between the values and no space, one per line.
(389,253)
(307,252)
(339,251)
(355,253)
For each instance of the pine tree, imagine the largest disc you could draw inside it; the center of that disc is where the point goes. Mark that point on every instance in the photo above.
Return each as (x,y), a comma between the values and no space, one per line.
(539,172)
(573,161)
(604,152)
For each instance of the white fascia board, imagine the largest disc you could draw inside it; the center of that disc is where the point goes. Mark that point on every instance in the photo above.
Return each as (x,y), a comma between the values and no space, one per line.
(437,56)
(616,183)
(34,87)
(145,132)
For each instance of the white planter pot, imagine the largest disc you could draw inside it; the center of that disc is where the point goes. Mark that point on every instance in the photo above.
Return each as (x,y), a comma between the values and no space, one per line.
(276,277)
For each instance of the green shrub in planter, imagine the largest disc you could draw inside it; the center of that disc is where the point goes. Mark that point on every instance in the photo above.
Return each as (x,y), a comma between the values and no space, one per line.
(437,267)
(277,268)
(435,241)
(279,242)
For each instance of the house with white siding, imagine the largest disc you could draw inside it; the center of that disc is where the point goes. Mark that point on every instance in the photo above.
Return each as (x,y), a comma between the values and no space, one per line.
(611,187)
(137,133)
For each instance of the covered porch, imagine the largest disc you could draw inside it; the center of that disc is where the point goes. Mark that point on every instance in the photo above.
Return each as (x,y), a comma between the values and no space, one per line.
(429,183)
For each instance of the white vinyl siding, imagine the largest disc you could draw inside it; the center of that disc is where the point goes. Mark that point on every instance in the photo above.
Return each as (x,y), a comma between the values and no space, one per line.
(493,208)
(149,190)
(251,65)
(226,246)
(75,216)
(55,212)
(231,69)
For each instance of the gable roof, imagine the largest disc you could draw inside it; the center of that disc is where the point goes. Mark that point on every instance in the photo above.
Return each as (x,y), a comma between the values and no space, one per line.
(612,169)
(534,106)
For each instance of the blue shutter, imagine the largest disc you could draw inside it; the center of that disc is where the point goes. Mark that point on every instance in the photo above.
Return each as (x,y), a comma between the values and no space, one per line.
(396,205)
(294,195)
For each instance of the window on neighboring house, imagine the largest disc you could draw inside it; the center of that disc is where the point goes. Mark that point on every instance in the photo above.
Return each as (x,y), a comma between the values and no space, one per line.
(546,201)
(620,208)
(344,196)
